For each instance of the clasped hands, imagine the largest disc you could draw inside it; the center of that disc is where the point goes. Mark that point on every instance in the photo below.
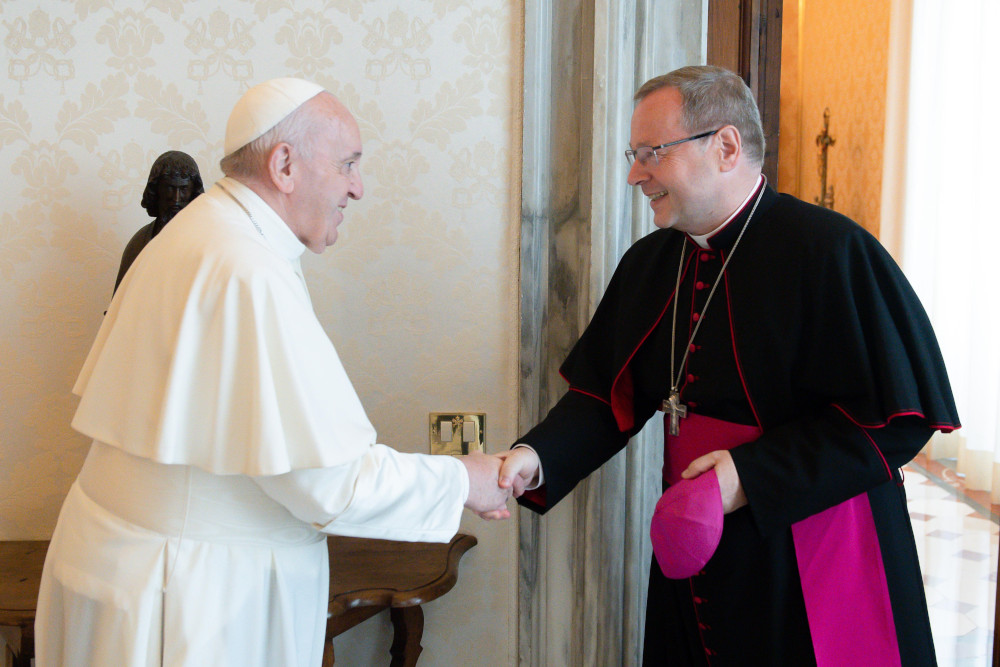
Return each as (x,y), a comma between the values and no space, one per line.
(493,479)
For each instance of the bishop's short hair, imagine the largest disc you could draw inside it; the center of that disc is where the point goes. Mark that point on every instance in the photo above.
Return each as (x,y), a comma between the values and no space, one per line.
(712,98)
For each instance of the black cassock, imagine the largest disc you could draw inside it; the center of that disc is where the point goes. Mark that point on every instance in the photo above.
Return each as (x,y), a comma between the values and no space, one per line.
(814,336)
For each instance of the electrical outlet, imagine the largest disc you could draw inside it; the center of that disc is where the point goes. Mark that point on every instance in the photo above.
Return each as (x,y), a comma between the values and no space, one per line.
(457,432)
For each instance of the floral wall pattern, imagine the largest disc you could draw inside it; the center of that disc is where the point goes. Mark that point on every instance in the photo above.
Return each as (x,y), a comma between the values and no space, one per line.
(419,294)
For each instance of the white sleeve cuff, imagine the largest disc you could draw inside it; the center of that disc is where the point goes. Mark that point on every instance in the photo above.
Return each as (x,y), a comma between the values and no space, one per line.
(541,475)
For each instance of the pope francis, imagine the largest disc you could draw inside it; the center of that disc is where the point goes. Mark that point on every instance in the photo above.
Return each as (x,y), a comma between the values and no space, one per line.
(227,437)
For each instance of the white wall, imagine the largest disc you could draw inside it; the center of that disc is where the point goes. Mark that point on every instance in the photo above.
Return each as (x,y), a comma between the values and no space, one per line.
(419,294)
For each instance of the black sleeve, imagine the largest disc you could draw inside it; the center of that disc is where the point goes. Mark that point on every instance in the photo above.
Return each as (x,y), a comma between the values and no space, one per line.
(577,436)
(864,389)
(804,467)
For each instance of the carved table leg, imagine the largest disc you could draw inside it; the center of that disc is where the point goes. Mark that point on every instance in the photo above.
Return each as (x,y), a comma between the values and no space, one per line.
(27,649)
(407,627)
(22,659)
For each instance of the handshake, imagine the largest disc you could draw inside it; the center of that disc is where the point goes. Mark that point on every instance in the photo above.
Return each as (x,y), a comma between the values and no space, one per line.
(493,479)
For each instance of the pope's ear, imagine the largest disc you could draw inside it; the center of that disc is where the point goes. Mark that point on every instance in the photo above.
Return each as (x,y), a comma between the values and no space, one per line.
(730,145)
(279,168)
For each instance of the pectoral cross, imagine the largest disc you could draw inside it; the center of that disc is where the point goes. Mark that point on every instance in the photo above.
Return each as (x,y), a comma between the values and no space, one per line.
(677,411)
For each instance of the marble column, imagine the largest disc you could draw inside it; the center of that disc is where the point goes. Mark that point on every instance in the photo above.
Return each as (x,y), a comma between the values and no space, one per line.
(584,566)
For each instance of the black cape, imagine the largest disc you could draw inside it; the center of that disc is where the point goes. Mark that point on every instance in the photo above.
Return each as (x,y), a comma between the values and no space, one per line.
(813,335)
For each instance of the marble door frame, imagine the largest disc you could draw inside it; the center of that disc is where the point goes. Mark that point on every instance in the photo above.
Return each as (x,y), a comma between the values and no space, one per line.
(583,567)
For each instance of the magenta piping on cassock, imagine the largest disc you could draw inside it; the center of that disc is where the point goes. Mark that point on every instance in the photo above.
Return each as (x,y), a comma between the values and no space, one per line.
(620,407)
(736,356)
(587,393)
(944,428)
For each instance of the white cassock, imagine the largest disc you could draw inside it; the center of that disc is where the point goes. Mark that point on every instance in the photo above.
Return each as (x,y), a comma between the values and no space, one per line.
(227,441)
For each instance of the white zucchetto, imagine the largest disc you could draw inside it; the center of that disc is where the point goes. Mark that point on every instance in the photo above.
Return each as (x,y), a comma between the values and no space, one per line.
(264,106)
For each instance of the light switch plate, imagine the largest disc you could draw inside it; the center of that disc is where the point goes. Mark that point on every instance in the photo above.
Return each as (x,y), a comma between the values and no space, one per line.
(468,432)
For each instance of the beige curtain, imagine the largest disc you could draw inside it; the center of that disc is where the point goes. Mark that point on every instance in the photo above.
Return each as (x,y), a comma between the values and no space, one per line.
(951,230)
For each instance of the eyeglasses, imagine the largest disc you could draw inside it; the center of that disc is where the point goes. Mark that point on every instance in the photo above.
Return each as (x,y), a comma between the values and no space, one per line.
(644,153)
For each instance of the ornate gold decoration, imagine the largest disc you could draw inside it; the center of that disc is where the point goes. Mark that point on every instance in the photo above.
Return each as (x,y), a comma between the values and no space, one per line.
(824,141)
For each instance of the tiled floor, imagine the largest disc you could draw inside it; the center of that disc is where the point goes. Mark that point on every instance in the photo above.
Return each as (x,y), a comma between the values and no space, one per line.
(957,536)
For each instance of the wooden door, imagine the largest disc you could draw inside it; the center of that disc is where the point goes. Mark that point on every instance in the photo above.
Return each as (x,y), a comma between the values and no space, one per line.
(745,36)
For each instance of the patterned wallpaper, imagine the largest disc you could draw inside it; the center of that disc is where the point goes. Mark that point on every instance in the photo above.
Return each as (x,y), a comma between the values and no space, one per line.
(836,55)
(420,292)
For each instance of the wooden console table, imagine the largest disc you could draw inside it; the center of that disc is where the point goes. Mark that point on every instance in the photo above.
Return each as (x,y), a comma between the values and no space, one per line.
(366,577)
(20,572)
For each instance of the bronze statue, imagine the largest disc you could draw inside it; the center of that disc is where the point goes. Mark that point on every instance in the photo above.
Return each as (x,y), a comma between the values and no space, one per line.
(174,180)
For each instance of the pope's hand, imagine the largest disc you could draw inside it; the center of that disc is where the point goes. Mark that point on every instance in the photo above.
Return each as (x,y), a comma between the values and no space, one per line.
(486,498)
(730,487)
(520,469)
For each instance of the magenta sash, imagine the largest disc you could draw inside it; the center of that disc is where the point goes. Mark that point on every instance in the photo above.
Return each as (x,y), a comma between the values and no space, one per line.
(838,554)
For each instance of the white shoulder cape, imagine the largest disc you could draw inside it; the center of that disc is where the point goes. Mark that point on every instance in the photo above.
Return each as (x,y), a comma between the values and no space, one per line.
(211,355)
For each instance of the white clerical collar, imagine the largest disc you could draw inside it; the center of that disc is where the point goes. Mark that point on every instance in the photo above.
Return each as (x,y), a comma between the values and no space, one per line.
(702,239)
(274,231)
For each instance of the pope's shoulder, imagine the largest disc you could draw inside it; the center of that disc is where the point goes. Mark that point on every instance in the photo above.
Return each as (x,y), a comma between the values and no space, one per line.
(209,230)
(210,250)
